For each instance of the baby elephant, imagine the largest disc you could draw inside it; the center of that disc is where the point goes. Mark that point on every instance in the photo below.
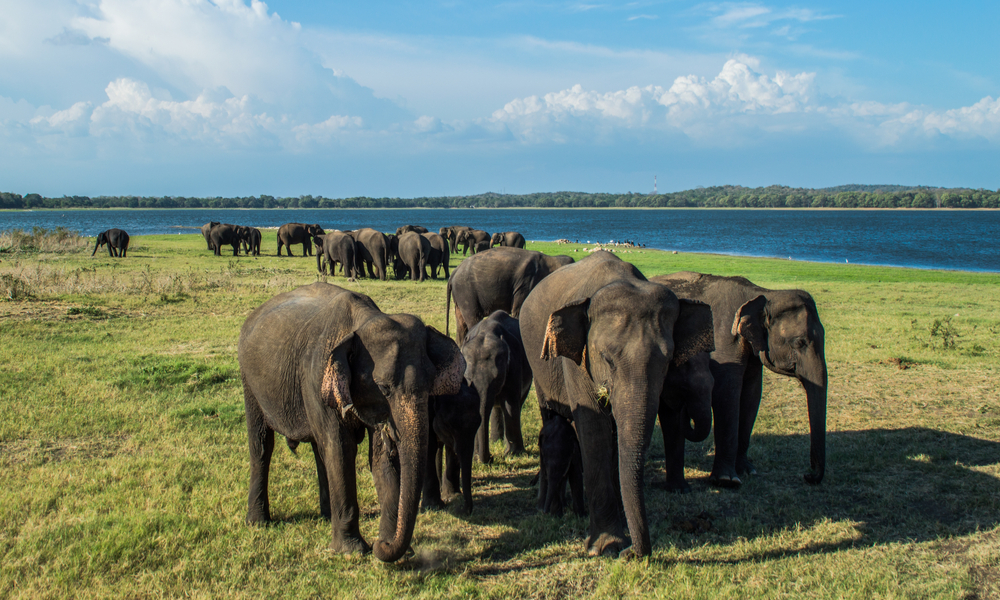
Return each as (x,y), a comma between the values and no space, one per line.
(117,241)
(454,422)
(686,399)
(560,462)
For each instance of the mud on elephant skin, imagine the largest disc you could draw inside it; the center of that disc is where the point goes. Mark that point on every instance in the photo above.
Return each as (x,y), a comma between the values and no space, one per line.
(116,240)
(601,340)
(454,422)
(321,364)
(757,327)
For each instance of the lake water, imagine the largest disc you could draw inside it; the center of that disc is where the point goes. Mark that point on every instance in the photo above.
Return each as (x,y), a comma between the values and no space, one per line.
(930,239)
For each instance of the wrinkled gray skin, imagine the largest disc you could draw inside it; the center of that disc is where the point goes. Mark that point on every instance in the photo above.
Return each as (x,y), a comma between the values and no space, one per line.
(754,328)
(117,241)
(225,234)
(686,399)
(321,365)
(559,463)
(454,422)
(410,252)
(336,247)
(512,239)
(407,228)
(206,231)
(440,256)
(471,238)
(298,233)
(451,234)
(371,251)
(600,340)
(498,370)
(496,280)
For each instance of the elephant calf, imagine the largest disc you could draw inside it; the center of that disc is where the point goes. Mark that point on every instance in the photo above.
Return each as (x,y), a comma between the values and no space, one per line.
(117,241)
(559,462)
(454,422)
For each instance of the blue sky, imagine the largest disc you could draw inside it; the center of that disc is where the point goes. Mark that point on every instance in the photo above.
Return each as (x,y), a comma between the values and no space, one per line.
(239,97)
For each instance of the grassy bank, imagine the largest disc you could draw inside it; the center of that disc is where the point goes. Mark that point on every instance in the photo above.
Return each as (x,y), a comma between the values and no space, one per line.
(124,469)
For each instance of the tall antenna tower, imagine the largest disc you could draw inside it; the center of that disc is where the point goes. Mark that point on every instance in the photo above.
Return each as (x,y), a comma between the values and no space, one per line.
(654,185)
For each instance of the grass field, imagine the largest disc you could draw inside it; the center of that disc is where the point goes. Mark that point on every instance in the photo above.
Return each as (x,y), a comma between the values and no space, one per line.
(123,467)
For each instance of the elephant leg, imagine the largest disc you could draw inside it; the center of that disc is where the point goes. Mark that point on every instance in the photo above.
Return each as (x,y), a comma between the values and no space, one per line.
(513,439)
(496,423)
(111,251)
(753,388)
(324,483)
(124,251)
(575,477)
(672,426)
(339,452)
(725,419)
(452,472)
(432,485)
(599,452)
(483,436)
(261,446)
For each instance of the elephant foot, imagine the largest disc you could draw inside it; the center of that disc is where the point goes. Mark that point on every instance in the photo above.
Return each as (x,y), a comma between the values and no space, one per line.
(350,546)
(606,544)
(677,487)
(434,504)
(745,467)
(260,516)
(725,481)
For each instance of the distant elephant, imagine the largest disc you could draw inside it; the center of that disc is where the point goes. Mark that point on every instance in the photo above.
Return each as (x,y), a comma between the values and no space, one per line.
(117,241)
(225,234)
(470,238)
(498,370)
(298,233)
(411,253)
(507,238)
(372,250)
(336,247)
(440,256)
(451,234)
(206,231)
(686,397)
(481,247)
(321,364)
(601,340)
(414,228)
(496,280)
(757,327)
(250,239)
(454,421)
(559,463)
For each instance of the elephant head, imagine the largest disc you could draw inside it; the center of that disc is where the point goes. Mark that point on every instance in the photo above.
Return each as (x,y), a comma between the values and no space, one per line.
(783,329)
(102,238)
(487,358)
(383,374)
(496,239)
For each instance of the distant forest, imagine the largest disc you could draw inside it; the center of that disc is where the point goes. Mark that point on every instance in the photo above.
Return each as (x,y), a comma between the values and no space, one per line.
(845,196)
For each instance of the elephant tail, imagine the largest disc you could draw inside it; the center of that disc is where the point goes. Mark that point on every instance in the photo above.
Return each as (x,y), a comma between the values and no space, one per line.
(292,445)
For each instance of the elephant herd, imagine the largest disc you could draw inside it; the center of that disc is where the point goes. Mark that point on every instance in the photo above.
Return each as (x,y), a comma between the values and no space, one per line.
(608,350)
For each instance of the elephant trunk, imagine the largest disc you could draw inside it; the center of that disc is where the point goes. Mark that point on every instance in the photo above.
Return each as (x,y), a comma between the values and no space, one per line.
(813,376)
(412,433)
(96,246)
(635,427)
(702,422)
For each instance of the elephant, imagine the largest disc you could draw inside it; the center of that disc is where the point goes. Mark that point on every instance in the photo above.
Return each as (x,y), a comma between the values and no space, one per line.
(298,233)
(507,238)
(754,328)
(226,234)
(496,280)
(454,422)
(481,247)
(410,252)
(415,228)
(559,462)
(470,238)
(439,256)
(451,234)
(250,238)
(600,340)
(321,364)
(372,249)
(336,247)
(117,241)
(206,231)
(498,370)
(686,398)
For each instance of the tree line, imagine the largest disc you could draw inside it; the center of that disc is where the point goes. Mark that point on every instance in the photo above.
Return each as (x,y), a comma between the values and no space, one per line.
(848,196)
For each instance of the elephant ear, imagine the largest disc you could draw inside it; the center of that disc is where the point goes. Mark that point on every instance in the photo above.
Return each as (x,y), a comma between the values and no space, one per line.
(566,332)
(749,324)
(336,388)
(449,363)
(693,332)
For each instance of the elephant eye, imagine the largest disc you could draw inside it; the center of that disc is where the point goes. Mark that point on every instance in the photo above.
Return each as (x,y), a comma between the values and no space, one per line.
(799,343)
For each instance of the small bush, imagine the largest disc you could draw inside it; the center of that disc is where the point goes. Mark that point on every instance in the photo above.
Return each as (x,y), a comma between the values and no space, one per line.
(59,240)
(13,288)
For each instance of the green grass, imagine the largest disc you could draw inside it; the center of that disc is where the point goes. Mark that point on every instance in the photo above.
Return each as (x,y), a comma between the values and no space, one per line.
(123,466)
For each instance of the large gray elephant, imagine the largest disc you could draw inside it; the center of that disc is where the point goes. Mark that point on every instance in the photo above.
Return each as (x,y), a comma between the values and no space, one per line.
(471,238)
(321,364)
(451,234)
(496,280)
(206,231)
(454,421)
(498,370)
(440,256)
(250,238)
(298,233)
(371,251)
(512,239)
(336,247)
(225,234)
(601,340)
(754,328)
(409,253)
(117,241)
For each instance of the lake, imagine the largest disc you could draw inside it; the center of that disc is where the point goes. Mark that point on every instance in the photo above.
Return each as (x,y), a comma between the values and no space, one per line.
(966,240)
